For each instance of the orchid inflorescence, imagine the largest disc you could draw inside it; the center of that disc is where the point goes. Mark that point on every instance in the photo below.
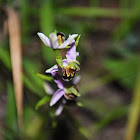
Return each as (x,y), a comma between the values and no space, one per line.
(64,71)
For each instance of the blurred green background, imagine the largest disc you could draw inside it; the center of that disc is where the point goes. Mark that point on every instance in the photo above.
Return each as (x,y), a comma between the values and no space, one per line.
(110,58)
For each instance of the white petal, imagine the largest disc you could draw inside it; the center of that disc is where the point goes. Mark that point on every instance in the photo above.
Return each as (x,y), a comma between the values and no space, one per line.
(57,95)
(68,41)
(77,53)
(54,40)
(76,79)
(64,101)
(48,89)
(59,110)
(45,39)
(52,69)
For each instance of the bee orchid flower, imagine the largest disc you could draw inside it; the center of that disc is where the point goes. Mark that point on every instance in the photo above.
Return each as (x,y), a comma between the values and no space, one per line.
(70,64)
(64,71)
(66,89)
(56,40)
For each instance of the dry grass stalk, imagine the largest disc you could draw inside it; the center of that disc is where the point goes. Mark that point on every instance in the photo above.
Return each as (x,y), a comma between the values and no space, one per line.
(16,59)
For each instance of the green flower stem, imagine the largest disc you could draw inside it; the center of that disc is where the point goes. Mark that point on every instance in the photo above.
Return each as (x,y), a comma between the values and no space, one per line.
(133,116)
(58,57)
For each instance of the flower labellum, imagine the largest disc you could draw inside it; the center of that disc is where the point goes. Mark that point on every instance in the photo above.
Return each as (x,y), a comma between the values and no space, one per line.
(61,37)
(68,73)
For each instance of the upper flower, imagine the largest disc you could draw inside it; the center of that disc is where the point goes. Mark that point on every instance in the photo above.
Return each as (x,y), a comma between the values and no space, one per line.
(70,65)
(57,95)
(56,40)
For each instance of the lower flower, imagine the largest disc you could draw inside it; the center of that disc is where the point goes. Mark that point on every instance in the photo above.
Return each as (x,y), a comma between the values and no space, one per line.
(70,92)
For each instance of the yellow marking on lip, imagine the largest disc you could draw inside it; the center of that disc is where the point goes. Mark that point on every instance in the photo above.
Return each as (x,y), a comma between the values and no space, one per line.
(60,39)
(72,74)
(67,72)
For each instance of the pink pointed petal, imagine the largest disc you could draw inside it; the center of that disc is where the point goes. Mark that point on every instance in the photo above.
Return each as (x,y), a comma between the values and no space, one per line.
(45,39)
(71,53)
(68,41)
(52,69)
(59,110)
(57,95)
(58,80)
(54,40)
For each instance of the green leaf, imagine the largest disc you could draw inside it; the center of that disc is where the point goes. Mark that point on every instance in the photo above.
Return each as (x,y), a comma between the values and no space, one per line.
(124,70)
(127,24)
(45,77)
(47,26)
(41,102)
(75,65)
(33,123)
(25,14)
(30,85)
(35,82)
(31,67)
(5,57)
(11,113)
(72,90)
(77,40)
(94,12)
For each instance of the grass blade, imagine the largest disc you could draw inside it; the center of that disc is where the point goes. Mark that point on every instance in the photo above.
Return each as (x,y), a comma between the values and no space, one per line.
(47,26)
(5,57)
(11,116)
(95,12)
(133,116)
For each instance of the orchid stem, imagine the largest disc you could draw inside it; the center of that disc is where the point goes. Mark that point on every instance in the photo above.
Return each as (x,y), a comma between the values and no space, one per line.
(133,116)
(58,57)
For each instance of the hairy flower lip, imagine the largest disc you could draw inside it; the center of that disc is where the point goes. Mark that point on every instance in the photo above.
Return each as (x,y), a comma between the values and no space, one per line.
(69,69)
(61,37)
(68,74)
(60,33)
